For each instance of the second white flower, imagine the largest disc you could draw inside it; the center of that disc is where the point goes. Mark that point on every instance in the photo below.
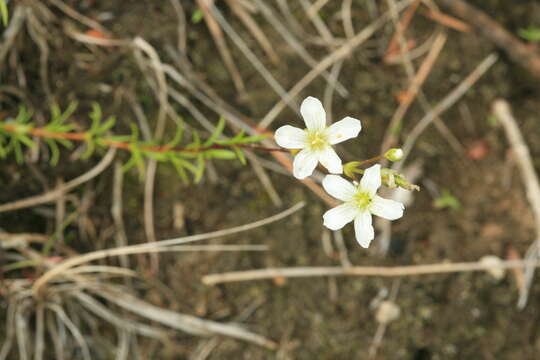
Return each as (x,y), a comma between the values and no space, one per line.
(360,202)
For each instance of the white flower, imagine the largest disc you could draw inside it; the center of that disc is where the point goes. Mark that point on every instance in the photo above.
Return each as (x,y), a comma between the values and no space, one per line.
(316,141)
(360,202)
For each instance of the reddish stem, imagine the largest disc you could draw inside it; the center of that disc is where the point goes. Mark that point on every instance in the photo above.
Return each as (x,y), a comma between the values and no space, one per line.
(42,133)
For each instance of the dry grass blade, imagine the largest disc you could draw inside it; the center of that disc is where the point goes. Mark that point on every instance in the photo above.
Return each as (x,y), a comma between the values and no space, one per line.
(77,335)
(446,20)
(117,210)
(122,352)
(257,64)
(347,18)
(502,111)
(256,31)
(517,50)
(396,271)
(10,34)
(186,323)
(340,53)
(55,336)
(219,39)
(76,35)
(264,179)
(102,269)
(394,44)
(8,241)
(157,246)
(415,87)
(106,314)
(217,105)
(69,11)
(10,329)
(297,45)
(182,25)
(329,90)
(316,7)
(445,104)
(39,346)
(160,90)
(38,33)
(318,23)
(58,192)
(21,330)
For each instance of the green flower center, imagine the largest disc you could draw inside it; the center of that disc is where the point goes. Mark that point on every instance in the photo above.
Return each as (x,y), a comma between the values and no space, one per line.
(362,200)
(317,139)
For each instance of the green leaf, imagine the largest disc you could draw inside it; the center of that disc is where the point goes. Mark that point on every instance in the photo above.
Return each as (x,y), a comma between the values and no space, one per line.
(530,34)
(66,143)
(220,154)
(158,156)
(200,169)
(217,132)
(177,136)
(252,139)
(25,140)
(197,16)
(19,157)
(492,121)
(55,152)
(90,147)
(240,155)
(186,164)
(447,200)
(24,115)
(111,121)
(4,11)
(180,170)
(59,117)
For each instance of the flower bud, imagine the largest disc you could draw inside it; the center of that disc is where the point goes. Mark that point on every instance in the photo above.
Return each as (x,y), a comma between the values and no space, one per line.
(394,154)
(350,168)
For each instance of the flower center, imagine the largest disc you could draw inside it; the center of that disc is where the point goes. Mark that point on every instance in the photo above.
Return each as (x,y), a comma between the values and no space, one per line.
(317,139)
(362,200)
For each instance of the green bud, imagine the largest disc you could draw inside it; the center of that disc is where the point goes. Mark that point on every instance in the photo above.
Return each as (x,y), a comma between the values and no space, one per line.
(349,169)
(394,154)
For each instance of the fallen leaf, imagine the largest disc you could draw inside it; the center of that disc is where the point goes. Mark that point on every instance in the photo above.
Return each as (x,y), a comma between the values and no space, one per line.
(96,34)
(478,150)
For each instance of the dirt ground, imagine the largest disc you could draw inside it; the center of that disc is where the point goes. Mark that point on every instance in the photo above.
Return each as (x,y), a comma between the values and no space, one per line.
(455,316)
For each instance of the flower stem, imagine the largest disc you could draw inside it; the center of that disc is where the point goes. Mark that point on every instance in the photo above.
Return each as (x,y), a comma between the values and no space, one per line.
(370,160)
(83,136)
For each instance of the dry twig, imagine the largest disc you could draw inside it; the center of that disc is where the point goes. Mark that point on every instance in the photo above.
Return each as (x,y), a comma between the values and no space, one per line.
(501,109)
(396,271)
(52,195)
(519,52)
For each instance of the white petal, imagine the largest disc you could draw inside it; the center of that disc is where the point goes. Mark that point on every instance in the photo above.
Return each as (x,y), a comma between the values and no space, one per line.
(290,137)
(338,187)
(330,160)
(313,113)
(338,217)
(363,229)
(342,130)
(386,208)
(371,181)
(304,163)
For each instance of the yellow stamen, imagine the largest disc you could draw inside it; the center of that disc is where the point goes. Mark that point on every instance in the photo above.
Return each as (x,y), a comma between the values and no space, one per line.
(317,139)
(362,200)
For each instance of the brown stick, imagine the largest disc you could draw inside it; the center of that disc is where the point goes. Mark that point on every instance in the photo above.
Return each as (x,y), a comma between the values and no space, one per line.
(523,157)
(518,51)
(396,271)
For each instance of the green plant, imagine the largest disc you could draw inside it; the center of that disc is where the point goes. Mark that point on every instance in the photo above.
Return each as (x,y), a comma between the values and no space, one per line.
(187,157)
